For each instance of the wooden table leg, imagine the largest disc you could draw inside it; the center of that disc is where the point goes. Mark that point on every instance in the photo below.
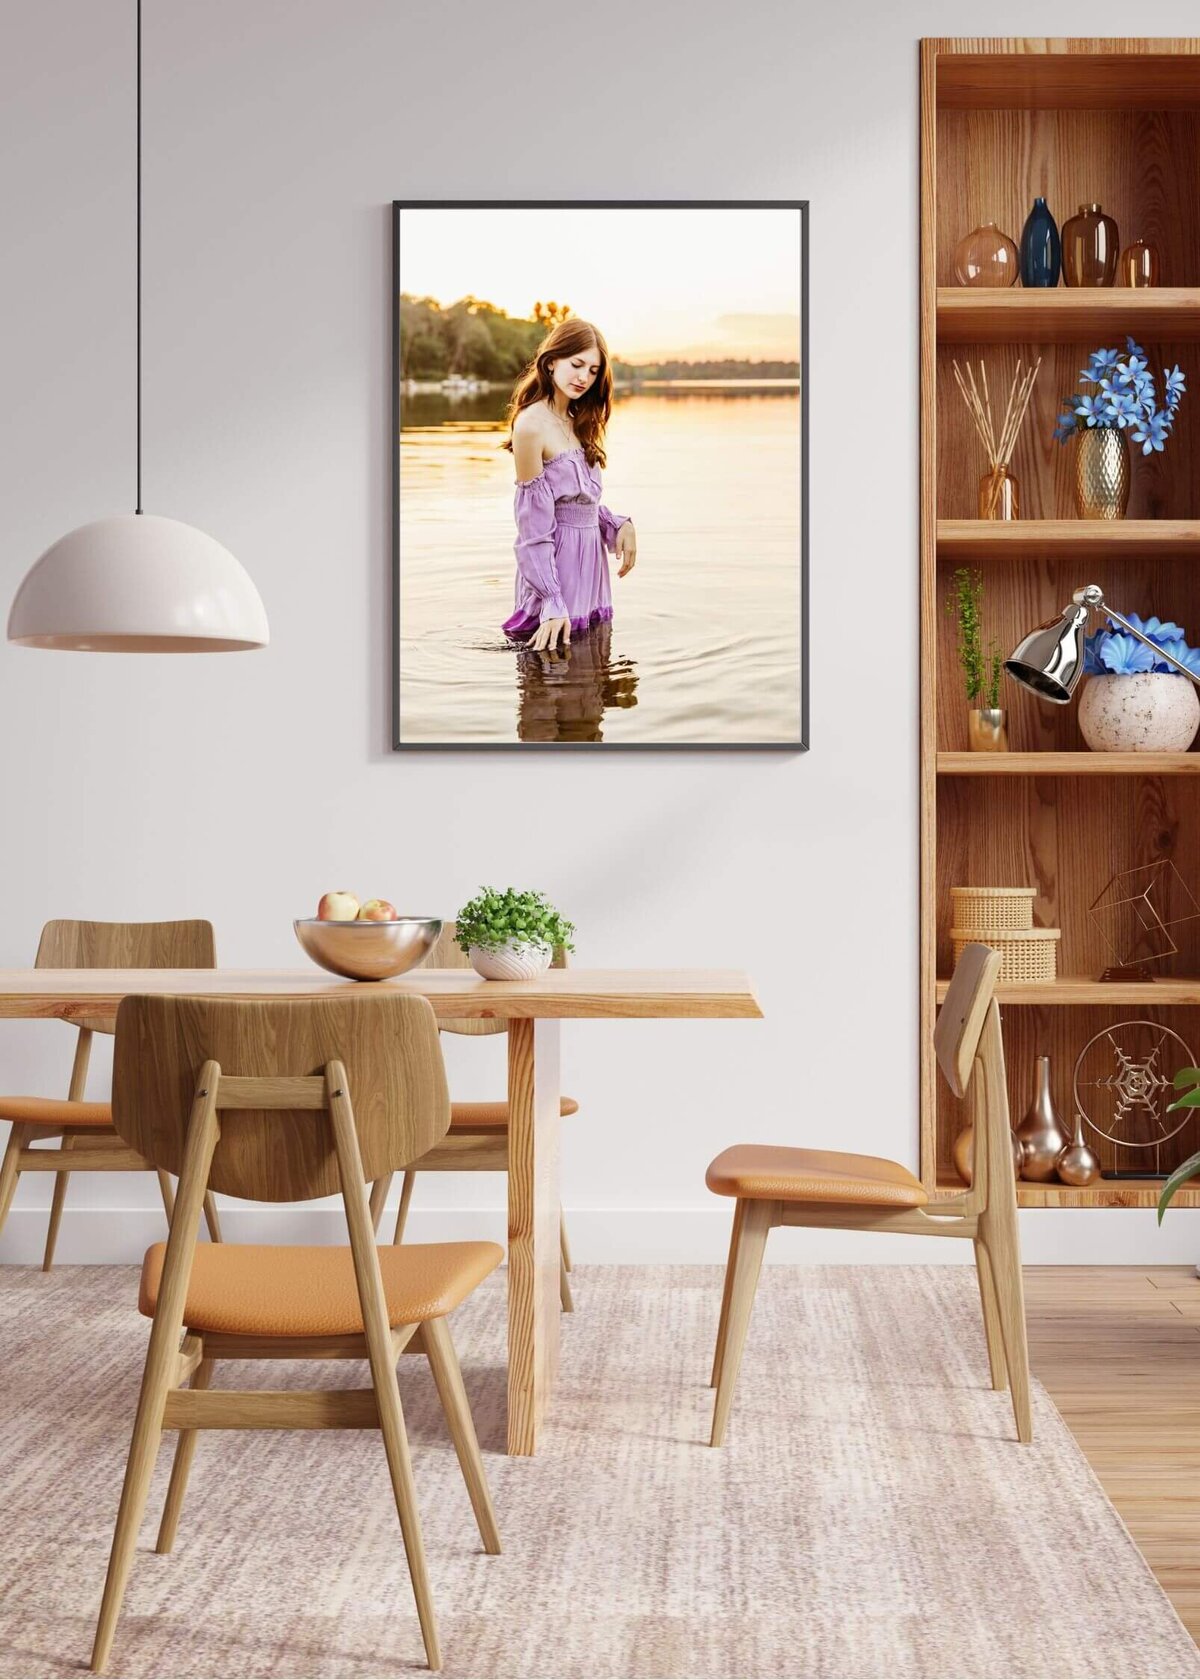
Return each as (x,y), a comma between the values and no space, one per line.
(533,1235)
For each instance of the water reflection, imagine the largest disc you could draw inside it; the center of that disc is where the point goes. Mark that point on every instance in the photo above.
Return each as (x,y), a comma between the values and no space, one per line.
(564,696)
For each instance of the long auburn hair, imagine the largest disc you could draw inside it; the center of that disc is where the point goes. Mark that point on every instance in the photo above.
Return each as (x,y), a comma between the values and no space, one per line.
(589,413)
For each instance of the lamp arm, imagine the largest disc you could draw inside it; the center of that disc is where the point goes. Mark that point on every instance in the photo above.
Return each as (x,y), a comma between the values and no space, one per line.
(1159,652)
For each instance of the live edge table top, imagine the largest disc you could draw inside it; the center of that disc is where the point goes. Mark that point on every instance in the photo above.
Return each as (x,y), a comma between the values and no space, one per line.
(455,993)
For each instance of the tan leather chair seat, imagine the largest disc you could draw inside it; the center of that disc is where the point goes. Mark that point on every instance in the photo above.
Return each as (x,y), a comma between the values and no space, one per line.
(55,1111)
(768,1172)
(481,1114)
(248,1290)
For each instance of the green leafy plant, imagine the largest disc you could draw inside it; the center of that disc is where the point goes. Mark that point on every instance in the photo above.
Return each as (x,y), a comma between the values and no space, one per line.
(981,672)
(1186,1080)
(492,919)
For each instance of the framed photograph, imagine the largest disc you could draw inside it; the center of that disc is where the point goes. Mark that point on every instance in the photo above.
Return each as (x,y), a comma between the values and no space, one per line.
(600,502)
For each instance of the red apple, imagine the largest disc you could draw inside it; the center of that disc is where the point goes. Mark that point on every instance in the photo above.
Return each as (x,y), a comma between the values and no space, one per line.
(377,910)
(338,907)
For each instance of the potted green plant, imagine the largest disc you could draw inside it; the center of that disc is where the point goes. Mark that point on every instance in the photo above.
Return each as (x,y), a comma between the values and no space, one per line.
(511,935)
(1186,1080)
(981,671)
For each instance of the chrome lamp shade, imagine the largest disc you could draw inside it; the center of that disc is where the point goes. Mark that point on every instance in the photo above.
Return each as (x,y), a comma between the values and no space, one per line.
(1050,659)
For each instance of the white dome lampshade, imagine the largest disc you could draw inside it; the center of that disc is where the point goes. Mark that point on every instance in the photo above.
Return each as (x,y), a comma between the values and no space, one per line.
(138,583)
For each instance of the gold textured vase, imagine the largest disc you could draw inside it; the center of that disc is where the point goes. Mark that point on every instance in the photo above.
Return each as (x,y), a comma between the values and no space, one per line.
(1101,473)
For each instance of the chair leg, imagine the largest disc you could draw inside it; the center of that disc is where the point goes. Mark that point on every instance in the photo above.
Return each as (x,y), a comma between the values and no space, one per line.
(185,1449)
(998,1232)
(18,1137)
(443,1362)
(991,1317)
(756,1220)
(406,1190)
(167,1193)
(211,1218)
(380,1352)
(379,1195)
(719,1351)
(161,1359)
(565,1299)
(563,1245)
(56,1210)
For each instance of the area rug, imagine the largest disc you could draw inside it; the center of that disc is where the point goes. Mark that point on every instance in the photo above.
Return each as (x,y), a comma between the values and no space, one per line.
(871,1514)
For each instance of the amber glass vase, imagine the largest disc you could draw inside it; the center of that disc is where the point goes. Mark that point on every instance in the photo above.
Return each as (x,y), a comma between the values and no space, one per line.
(985,257)
(1090,244)
(1139,265)
(999,498)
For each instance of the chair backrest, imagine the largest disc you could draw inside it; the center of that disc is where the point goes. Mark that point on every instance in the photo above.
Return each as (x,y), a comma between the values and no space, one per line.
(125,945)
(446,954)
(960,1020)
(968,1035)
(281,1149)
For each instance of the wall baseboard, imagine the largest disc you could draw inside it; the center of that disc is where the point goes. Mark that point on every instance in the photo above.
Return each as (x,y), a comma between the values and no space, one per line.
(626,1236)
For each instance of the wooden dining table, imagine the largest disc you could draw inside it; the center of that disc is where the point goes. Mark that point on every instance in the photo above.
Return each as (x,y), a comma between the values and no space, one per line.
(533,1010)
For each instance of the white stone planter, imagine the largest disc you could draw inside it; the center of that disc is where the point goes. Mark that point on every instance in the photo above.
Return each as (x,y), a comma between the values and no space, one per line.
(514,961)
(1152,711)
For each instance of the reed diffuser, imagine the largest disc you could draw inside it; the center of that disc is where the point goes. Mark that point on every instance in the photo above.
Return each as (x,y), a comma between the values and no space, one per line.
(999,492)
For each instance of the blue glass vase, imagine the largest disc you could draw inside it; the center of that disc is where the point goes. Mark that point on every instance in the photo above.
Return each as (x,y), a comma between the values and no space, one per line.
(1041,249)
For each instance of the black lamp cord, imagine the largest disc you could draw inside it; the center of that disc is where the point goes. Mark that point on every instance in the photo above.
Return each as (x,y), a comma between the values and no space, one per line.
(138,509)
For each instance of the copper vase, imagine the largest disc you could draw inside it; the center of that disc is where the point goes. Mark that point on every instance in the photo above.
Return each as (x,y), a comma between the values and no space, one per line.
(1101,473)
(1040,1132)
(985,729)
(1090,244)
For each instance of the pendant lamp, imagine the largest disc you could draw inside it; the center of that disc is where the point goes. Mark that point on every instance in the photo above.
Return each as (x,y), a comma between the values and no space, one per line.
(137,582)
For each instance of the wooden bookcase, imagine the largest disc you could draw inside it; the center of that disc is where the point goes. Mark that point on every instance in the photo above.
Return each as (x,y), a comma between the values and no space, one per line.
(1074,121)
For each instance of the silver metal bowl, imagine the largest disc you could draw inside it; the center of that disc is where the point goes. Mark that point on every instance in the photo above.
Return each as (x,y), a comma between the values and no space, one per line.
(368,950)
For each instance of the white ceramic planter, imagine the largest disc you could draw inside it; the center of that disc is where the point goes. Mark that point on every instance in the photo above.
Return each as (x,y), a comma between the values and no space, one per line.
(513,961)
(1151,711)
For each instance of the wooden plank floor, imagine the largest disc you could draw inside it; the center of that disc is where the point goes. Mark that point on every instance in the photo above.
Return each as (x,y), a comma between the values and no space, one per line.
(1118,1349)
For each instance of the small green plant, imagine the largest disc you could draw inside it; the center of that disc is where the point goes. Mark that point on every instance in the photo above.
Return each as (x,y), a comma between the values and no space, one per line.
(492,919)
(981,672)
(1186,1080)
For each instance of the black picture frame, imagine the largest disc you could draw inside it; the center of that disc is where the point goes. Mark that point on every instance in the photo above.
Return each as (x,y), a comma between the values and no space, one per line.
(802,743)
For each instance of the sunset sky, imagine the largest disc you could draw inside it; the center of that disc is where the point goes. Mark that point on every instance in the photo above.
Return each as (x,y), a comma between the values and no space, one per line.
(691,284)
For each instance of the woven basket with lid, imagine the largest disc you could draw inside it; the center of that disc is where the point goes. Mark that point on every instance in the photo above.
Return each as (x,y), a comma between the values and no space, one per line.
(991,909)
(1029,954)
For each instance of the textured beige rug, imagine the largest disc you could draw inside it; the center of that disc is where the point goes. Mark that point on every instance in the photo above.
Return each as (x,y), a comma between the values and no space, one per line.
(870,1515)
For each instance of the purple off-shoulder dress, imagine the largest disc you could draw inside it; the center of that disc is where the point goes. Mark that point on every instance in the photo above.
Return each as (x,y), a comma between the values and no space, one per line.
(562,535)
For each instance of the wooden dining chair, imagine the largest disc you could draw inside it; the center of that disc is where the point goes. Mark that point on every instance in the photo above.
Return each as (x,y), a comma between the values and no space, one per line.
(288,1100)
(818,1187)
(88,1141)
(478,1137)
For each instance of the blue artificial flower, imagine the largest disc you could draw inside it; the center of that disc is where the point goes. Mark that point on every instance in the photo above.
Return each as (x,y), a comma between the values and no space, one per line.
(1091,409)
(1174,385)
(1134,348)
(1100,362)
(1157,630)
(1151,431)
(1065,426)
(1122,409)
(1091,654)
(1187,656)
(1122,655)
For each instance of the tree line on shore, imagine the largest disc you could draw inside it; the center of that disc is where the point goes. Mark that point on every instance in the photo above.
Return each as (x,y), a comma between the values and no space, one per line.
(475,340)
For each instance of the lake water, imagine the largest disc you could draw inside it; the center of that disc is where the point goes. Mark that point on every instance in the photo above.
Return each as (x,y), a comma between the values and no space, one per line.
(705,640)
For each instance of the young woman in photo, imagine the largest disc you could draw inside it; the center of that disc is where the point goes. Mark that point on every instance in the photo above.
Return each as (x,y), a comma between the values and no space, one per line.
(557,416)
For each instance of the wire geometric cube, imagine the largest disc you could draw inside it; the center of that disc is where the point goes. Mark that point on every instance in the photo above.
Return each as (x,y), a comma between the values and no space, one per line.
(1138,909)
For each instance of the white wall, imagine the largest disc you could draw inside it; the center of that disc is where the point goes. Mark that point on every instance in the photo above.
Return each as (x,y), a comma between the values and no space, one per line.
(276,136)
